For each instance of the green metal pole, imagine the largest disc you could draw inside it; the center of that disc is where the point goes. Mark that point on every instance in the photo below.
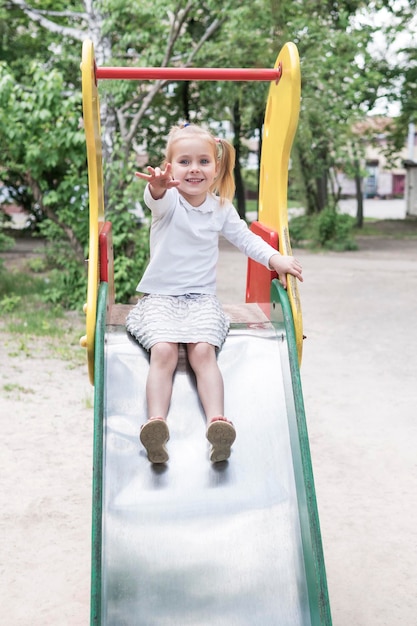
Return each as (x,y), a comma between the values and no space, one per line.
(96,537)
(303,471)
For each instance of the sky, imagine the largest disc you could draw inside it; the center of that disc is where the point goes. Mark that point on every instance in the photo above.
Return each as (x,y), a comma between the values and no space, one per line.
(386,49)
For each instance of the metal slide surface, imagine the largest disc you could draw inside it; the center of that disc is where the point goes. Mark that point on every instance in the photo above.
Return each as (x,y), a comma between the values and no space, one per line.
(191,543)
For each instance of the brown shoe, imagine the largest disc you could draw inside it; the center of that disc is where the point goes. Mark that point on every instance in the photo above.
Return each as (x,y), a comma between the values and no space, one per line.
(221,434)
(154,434)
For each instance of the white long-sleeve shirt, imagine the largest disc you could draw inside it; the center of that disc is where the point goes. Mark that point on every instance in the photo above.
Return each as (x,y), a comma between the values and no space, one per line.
(184,243)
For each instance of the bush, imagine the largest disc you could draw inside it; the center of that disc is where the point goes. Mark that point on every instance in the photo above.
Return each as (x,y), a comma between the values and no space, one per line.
(9,303)
(6,243)
(66,276)
(334,230)
(128,270)
(301,229)
(328,229)
(250,178)
(66,281)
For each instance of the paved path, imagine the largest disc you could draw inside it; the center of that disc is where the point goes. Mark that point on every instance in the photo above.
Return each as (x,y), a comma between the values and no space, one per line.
(375,208)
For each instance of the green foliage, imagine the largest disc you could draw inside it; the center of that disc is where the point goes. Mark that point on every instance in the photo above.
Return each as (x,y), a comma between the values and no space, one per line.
(251,179)
(333,98)
(328,229)
(343,78)
(44,147)
(23,307)
(301,229)
(130,236)
(66,281)
(67,287)
(19,284)
(9,303)
(40,129)
(6,243)
(334,230)
(37,265)
(128,269)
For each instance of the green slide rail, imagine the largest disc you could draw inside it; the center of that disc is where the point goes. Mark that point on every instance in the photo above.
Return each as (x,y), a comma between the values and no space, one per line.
(282,318)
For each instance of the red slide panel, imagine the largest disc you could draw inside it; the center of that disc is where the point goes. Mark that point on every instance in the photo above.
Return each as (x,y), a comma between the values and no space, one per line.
(258,277)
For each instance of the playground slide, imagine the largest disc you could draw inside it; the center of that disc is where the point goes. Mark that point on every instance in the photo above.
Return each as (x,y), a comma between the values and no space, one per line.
(191,543)
(196,544)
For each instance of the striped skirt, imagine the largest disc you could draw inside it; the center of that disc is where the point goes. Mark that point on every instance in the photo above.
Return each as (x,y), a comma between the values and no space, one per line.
(190,318)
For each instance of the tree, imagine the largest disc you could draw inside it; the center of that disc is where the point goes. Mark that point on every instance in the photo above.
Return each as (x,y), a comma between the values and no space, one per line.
(340,84)
(244,40)
(54,184)
(344,78)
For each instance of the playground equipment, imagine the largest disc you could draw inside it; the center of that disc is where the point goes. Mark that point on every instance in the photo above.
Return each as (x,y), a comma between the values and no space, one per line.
(195,544)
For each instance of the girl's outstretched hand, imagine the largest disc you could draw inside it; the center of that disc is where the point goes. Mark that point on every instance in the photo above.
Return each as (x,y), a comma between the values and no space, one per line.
(284,265)
(159,180)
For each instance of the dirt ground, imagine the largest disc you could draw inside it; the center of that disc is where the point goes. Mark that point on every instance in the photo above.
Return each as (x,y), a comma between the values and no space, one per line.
(359,380)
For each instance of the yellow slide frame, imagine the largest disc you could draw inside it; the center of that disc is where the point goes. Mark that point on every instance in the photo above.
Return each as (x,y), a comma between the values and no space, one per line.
(280,126)
(281,119)
(91,114)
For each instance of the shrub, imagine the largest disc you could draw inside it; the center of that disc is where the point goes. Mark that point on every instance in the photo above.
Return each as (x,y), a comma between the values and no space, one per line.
(6,243)
(328,229)
(334,230)
(300,229)
(128,270)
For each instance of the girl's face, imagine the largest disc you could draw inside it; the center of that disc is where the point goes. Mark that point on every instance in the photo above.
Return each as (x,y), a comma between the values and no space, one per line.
(194,164)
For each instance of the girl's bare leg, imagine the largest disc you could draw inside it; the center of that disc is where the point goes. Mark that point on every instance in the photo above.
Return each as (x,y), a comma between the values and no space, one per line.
(154,433)
(164,359)
(202,358)
(220,432)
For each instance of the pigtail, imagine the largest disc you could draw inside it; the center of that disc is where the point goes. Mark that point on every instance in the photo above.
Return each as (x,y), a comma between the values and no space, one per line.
(224,185)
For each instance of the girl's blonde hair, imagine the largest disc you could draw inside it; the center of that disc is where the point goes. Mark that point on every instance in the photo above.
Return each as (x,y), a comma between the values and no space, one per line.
(224,153)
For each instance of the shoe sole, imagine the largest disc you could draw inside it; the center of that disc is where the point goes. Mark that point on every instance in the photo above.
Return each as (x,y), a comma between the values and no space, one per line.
(221,435)
(154,435)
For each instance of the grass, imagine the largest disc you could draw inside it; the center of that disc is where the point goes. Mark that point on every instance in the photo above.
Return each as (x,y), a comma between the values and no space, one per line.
(25,315)
(12,388)
(394,229)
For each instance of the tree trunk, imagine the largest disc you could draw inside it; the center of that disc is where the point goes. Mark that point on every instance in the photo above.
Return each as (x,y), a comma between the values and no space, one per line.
(260,127)
(75,244)
(359,194)
(322,192)
(309,186)
(185,97)
(240,188)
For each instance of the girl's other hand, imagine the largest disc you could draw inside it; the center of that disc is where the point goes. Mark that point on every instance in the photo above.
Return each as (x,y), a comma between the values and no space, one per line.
(284,265)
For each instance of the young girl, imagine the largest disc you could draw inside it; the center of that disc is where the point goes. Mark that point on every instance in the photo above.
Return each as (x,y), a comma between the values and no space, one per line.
(190,201)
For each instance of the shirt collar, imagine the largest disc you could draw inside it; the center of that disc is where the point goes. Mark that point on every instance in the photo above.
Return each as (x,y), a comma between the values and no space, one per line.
(208,206)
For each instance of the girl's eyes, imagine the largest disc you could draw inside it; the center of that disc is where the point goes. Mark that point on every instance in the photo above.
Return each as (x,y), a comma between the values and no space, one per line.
(187,162)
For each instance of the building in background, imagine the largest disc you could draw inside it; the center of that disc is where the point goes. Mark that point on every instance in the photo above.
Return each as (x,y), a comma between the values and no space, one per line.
(384,178)
(410,164)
